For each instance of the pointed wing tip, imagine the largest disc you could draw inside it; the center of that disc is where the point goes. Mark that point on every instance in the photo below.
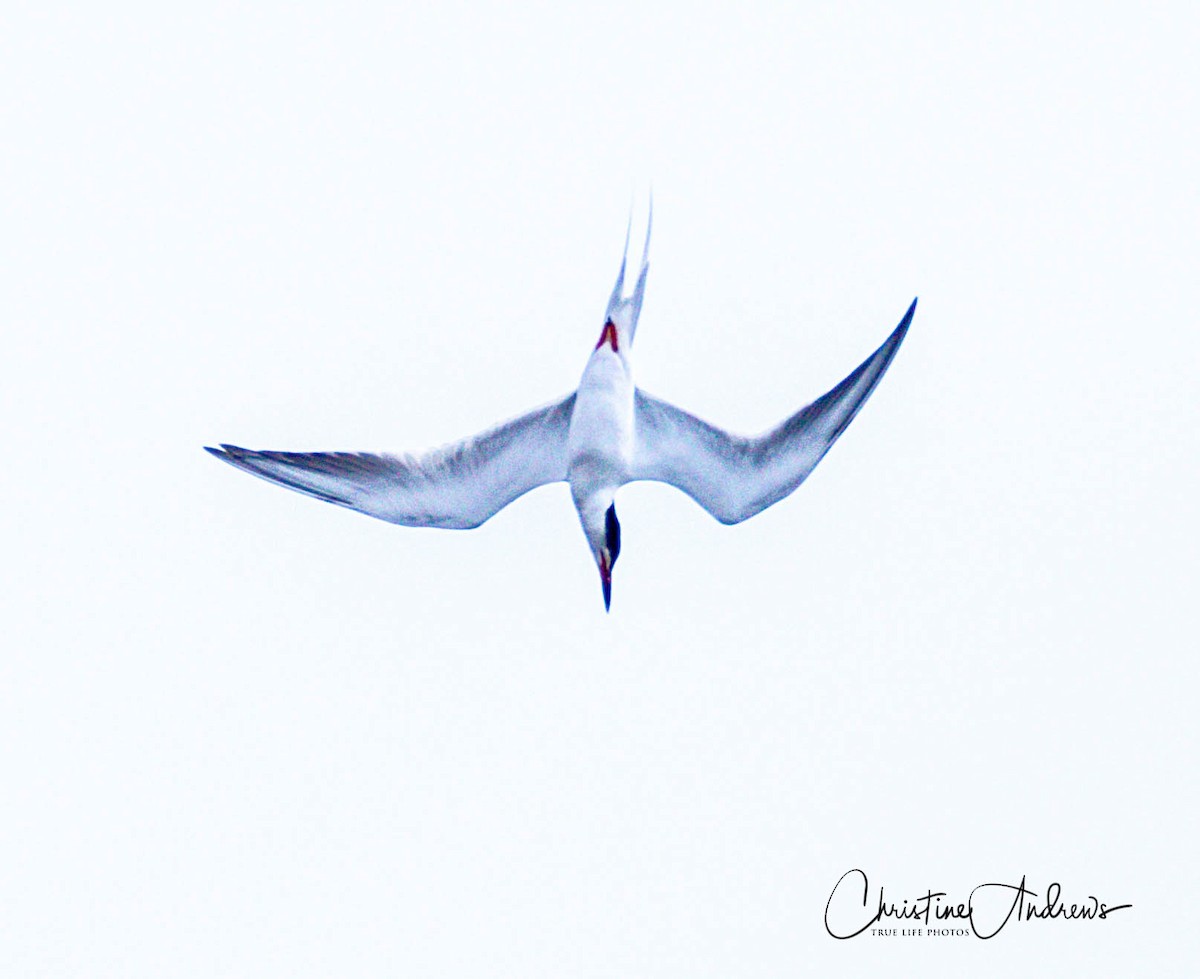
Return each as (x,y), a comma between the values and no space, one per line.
(901,330)
(232,454)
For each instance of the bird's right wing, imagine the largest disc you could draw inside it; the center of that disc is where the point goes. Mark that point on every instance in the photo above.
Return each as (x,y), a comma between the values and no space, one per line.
(458,486)
(734,477)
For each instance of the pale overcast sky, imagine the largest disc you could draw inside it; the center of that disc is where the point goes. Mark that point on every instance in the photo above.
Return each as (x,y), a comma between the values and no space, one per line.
(250,734)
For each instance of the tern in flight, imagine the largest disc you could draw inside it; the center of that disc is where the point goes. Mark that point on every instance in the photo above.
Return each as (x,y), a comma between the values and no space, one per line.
(607,433)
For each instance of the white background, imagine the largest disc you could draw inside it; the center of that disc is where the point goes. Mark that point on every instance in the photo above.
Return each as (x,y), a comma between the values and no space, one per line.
(248,734)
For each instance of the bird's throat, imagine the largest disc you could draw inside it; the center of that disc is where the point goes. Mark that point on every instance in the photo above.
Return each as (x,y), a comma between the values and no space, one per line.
(608,335)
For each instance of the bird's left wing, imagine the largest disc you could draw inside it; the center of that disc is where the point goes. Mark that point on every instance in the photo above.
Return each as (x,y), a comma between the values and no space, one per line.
(734,477)
(458,486)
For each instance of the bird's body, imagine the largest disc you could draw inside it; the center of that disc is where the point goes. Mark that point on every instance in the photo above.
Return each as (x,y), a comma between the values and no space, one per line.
(604,435)
(600,443)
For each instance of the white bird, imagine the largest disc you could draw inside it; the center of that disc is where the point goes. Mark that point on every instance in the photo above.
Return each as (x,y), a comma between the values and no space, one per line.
(606,434)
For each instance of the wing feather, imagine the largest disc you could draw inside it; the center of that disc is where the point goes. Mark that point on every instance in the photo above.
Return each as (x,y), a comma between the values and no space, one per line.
(458,486)
(734,477)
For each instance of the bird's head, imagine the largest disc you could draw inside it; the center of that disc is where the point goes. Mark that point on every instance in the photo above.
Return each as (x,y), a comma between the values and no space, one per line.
(605,538)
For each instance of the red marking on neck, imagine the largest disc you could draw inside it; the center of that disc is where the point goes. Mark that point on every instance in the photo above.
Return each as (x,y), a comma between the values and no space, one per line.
(609,334)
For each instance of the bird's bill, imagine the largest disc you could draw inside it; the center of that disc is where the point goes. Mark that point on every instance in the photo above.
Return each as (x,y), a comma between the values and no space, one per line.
(605,577)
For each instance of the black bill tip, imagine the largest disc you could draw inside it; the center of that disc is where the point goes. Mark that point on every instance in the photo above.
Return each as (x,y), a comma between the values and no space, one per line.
(607,586)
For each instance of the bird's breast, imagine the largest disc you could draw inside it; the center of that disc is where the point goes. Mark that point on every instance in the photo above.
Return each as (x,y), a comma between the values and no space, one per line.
(600,442)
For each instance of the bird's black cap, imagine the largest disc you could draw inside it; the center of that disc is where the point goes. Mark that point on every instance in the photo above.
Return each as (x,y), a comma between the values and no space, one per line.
(612,534)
